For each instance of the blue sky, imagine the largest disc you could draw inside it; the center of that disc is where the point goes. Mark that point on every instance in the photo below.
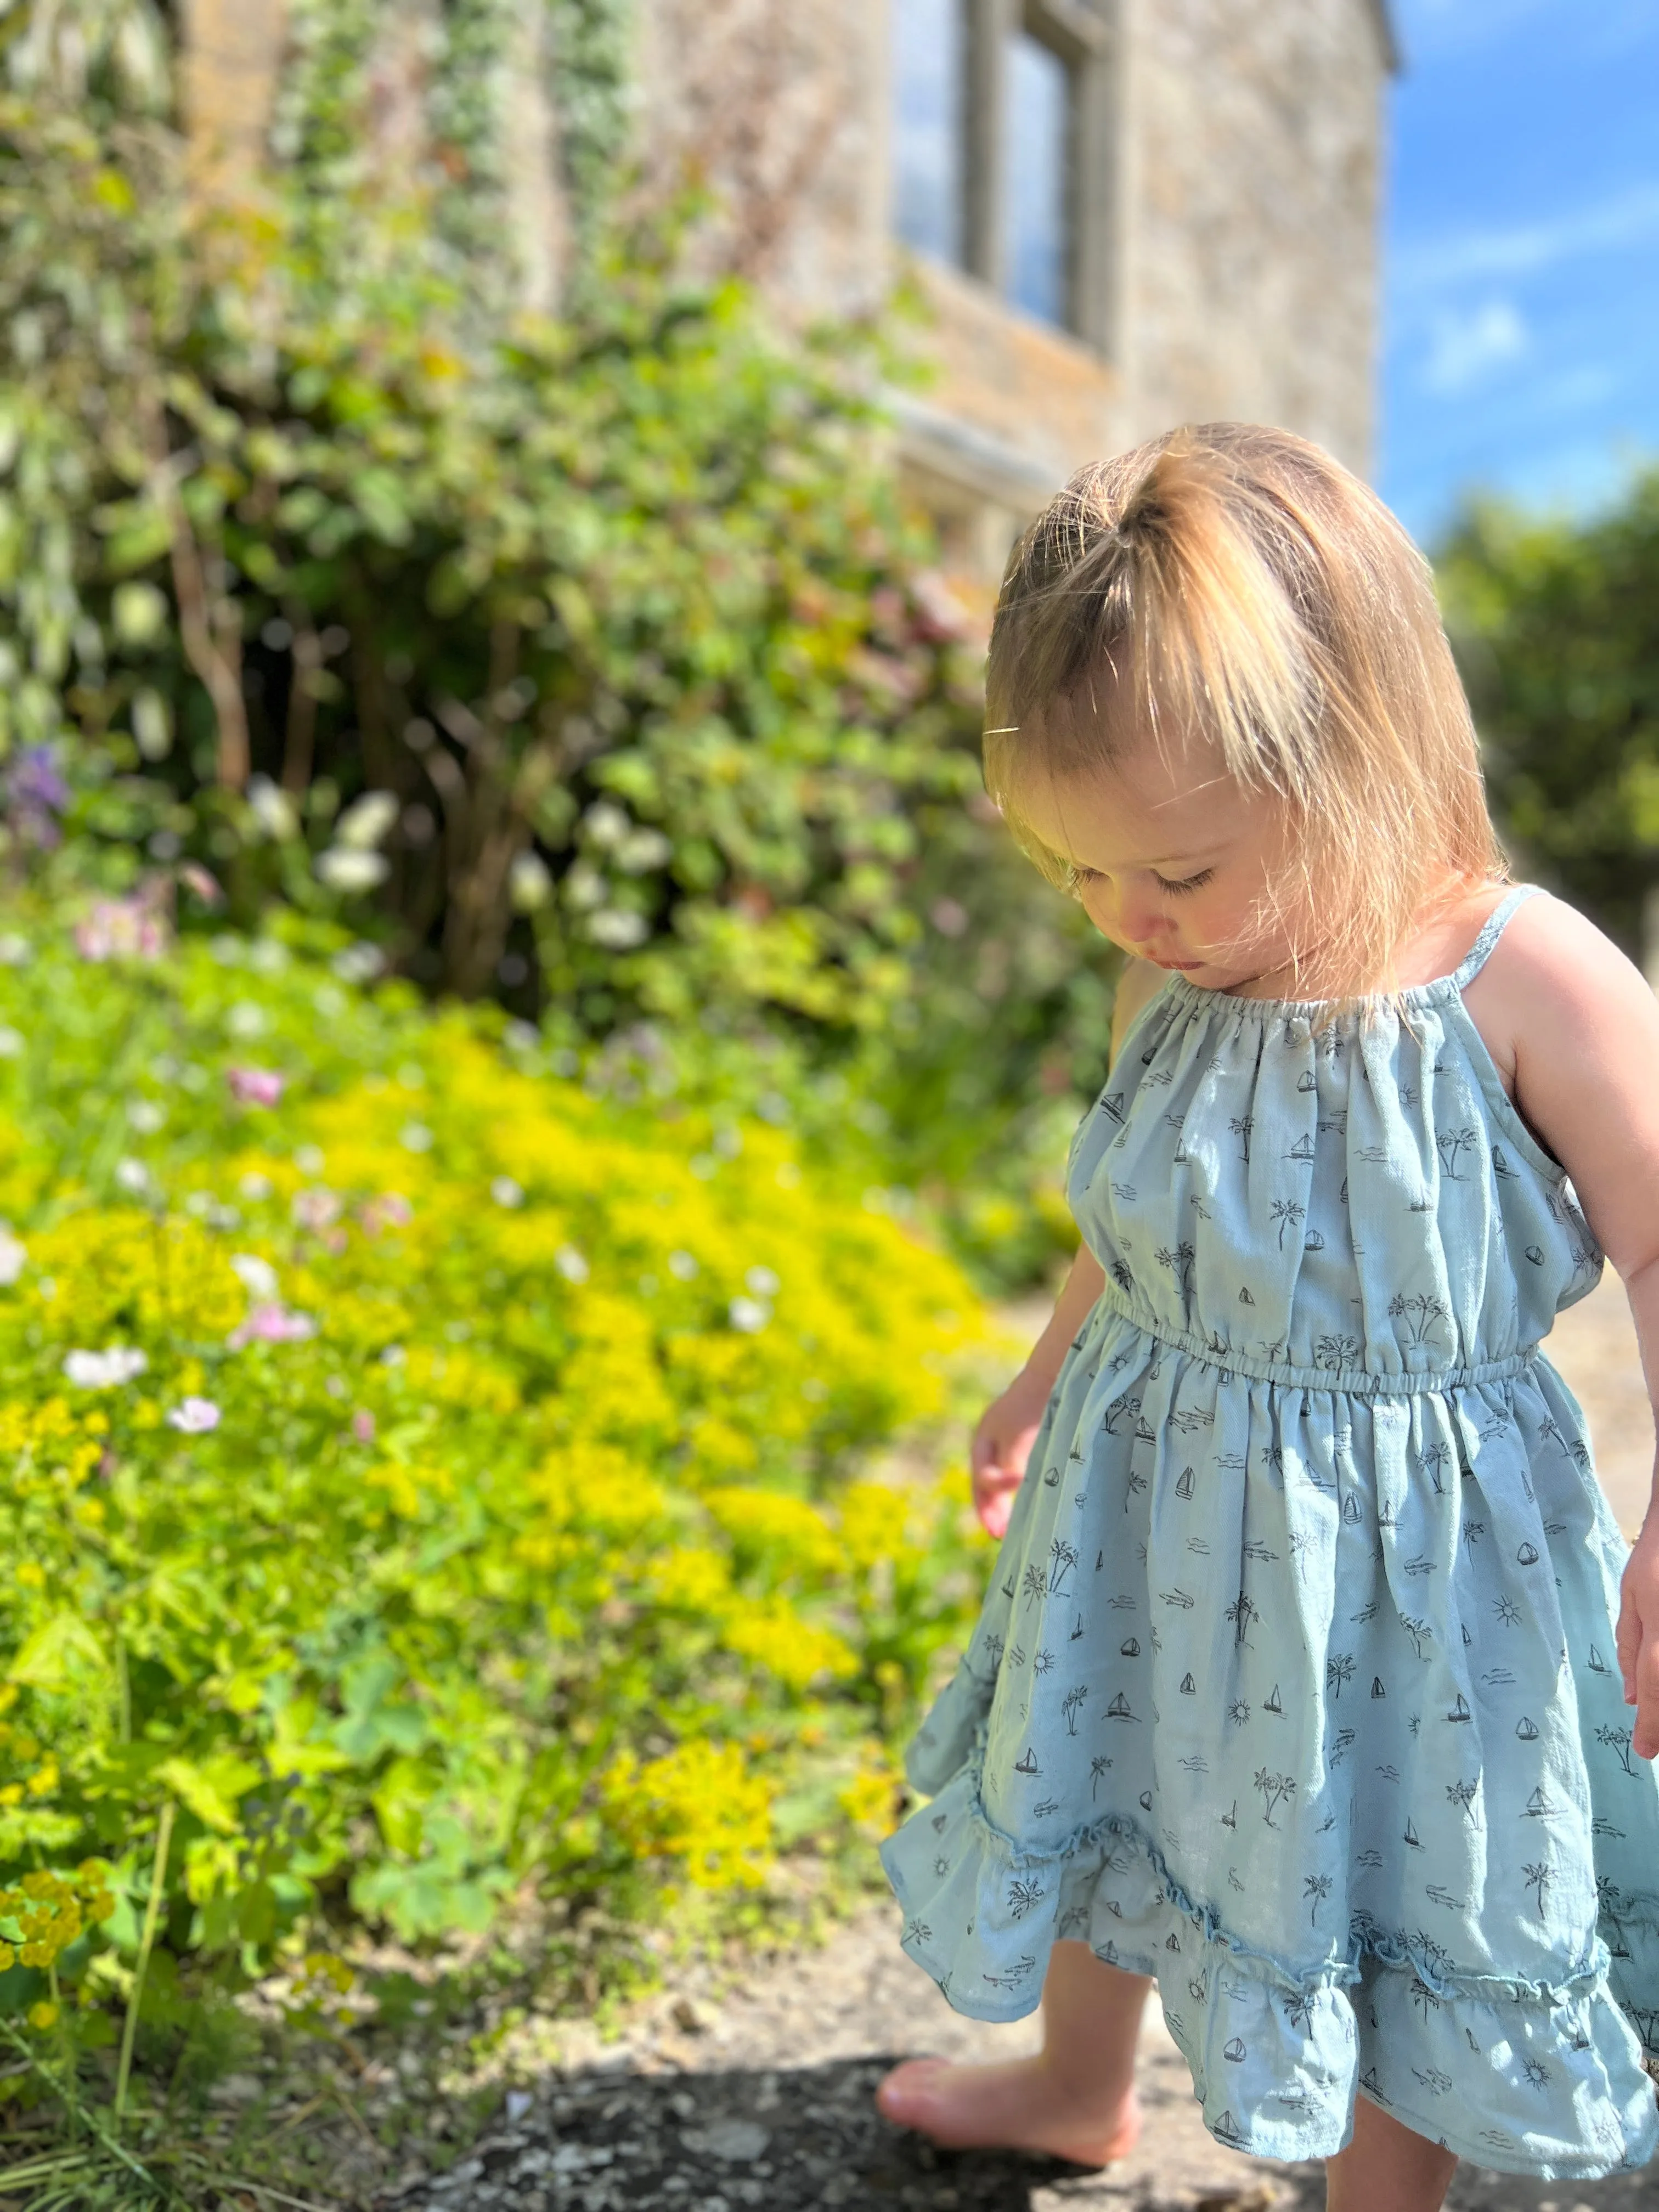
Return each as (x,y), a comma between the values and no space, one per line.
(1521,304)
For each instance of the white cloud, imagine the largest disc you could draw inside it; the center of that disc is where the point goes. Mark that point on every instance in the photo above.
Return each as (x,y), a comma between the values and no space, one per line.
(1466,344)
(1627,219)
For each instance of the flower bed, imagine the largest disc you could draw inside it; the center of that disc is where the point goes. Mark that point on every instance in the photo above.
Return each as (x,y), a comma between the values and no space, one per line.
(423,1478)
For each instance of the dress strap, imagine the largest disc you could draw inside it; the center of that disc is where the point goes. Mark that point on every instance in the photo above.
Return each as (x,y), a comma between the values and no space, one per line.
(1491,930)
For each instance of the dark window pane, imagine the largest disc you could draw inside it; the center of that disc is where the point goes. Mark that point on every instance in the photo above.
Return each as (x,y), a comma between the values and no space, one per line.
(1038,180)
(928,80)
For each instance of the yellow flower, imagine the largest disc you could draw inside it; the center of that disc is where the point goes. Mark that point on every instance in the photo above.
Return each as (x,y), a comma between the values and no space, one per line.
(32,1574)
(43,2015)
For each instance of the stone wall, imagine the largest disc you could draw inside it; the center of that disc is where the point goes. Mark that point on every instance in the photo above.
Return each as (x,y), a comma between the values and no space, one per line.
(1252,222)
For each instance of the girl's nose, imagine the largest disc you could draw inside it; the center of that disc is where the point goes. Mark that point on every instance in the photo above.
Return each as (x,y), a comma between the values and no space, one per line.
(1141,920)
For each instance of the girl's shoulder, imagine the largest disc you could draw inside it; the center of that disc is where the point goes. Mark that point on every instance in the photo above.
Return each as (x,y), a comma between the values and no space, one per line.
(1573,1026)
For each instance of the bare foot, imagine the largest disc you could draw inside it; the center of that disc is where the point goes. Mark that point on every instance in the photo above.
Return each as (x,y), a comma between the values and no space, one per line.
(1021,2105)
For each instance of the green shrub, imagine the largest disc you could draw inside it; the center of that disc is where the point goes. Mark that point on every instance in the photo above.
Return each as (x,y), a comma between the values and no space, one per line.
(1555,627)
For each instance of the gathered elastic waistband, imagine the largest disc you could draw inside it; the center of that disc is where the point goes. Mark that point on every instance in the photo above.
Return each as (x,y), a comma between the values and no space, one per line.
(1350,1381)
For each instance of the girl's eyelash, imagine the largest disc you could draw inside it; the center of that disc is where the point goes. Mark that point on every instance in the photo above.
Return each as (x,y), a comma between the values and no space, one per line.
(1080,877)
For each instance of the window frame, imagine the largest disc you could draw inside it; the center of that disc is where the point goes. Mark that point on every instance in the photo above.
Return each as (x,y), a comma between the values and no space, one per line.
(1086,35)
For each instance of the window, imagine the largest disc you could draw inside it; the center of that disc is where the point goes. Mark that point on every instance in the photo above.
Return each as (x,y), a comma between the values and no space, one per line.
(1037,185)
(930,82)
(1003,163)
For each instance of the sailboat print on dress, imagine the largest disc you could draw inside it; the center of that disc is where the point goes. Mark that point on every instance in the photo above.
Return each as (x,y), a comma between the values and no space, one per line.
(1353,1671)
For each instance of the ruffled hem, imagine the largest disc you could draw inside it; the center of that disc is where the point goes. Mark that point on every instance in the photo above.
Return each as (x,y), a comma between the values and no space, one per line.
(1278,2052)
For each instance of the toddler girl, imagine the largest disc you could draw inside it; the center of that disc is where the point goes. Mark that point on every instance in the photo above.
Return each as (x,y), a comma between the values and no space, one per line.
(1297,1686)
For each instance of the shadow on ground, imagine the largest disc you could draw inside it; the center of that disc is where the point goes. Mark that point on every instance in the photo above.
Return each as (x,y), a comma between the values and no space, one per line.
(791,2141)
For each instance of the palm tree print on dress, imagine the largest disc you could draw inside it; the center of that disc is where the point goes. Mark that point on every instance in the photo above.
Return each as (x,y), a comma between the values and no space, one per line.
(1538,1879)
(1240,1127)
(1063,1557)
(1617,1740)
(1339,1669)
(1287,1214)
(1318,1887)
(1071,1702)
(1180,1263)
(1451,1145)
(1337,1350)
(1275,1788)
(1421,1312)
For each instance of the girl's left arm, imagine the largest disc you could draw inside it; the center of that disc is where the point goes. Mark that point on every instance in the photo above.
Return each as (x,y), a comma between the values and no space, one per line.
(1584,1024)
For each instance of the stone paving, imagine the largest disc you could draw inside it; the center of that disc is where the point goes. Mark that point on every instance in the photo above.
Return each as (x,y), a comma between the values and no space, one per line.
(763,2097)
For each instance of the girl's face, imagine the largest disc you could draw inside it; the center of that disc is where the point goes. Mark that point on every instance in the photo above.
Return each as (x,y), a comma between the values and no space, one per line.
(1175,863)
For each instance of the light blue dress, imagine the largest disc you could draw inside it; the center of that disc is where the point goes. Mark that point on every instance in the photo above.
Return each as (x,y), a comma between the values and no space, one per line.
(1295,1683)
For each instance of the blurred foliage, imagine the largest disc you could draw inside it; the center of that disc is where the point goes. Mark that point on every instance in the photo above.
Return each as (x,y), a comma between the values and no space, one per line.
(1556,624)
(589,662)
(423,1477)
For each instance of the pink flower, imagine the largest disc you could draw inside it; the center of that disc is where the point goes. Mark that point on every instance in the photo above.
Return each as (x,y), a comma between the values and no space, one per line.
(122,929)
(269,1322)
(390,1209)
(254,1086)
(316,1209)
(363,1427)
(195,877)
(195,1416)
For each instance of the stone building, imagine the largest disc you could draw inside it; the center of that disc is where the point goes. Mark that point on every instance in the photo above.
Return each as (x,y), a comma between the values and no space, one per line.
(1117,214)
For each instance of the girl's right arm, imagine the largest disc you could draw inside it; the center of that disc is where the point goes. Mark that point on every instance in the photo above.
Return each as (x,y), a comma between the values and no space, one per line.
(1002,1443)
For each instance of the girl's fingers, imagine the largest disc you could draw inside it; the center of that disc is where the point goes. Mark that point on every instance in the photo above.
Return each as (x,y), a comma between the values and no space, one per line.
(993,1493)
(1628,1640)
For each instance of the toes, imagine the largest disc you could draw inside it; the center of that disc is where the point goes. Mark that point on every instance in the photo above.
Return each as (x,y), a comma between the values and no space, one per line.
(899,2093)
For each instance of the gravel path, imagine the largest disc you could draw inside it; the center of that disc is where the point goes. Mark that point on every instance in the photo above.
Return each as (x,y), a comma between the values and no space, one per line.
(762,2097)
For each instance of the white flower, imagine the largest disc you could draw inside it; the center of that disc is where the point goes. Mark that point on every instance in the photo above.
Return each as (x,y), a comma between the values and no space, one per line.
(246,1019)
(308,1158)
(272,809)
(145,1115)
(748,1314)
(616,930)
(642,850)
(11,1043)
(105,1370)
(133,1174)
(570,1264)
(257,1276)
(255,1186)
(530,882)
(344,868)
(506,1192)
(366,821)
(13,1257)
(762,1282)
(359,963)
(605,822)
(195,1416)
(415,1137)
(682,1267)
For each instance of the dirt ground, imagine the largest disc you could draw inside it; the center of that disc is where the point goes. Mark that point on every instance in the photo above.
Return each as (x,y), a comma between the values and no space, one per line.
(762,2096)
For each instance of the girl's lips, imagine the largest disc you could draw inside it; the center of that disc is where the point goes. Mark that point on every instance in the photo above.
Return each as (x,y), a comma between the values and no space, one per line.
(1185,967)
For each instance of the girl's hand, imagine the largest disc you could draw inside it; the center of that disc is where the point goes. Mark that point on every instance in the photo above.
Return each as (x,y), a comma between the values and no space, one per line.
(1639,1638)
(1002,1444)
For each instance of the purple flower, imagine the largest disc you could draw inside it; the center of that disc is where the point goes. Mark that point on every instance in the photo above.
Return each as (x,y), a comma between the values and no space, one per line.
(35,782)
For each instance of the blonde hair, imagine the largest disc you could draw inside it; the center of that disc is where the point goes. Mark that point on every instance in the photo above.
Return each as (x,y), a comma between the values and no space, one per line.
(1234,582)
